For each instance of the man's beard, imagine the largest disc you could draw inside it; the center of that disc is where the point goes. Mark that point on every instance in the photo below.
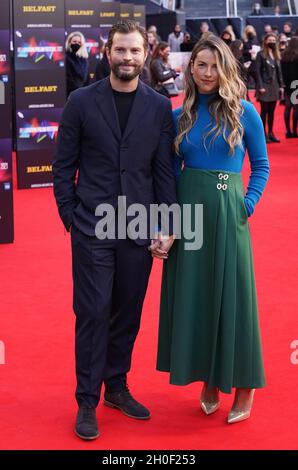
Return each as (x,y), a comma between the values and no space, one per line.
(126,76)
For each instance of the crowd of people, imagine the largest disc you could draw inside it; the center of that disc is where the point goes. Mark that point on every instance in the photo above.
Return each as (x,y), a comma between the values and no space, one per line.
(267,64)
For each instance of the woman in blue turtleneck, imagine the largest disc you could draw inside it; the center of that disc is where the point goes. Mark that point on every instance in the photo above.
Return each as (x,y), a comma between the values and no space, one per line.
(209,329)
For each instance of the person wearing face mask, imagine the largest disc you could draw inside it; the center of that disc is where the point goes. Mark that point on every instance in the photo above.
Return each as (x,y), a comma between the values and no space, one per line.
(250,39)
(270,84)
(175,39)
(76,62)
(227,38)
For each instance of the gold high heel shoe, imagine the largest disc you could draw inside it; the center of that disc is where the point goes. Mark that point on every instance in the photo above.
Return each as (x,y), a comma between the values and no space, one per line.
(235,416)
(208,407)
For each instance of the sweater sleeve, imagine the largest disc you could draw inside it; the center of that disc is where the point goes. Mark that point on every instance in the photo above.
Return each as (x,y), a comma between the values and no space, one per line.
(178,158)
(255,143)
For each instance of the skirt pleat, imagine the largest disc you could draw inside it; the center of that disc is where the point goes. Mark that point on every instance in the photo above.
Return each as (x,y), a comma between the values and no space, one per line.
(209,327)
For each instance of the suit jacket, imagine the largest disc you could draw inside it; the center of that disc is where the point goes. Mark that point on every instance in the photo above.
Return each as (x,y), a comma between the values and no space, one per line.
(138,164)
(265,71)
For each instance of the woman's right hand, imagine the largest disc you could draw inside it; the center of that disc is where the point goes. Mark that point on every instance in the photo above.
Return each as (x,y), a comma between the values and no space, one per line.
(262,90)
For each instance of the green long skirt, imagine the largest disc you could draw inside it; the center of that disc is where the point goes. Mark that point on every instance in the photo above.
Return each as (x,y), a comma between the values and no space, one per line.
(209,328)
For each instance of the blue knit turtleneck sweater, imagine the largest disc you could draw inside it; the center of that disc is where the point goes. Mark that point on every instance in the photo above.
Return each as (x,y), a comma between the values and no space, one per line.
(215,156)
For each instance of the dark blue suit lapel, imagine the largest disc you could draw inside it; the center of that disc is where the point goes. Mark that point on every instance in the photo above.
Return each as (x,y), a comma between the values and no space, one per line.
(106,104)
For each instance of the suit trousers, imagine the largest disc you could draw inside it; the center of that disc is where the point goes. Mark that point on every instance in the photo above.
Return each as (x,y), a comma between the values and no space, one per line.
(110,279)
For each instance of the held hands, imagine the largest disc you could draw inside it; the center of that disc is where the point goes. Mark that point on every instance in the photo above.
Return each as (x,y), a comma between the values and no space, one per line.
(262,90)
(161,245)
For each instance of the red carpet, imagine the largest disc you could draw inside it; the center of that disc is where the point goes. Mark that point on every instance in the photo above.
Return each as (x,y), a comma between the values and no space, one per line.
(37,406)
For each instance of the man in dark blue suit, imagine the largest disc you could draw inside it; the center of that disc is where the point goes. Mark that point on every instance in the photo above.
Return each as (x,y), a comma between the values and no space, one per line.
(116,136)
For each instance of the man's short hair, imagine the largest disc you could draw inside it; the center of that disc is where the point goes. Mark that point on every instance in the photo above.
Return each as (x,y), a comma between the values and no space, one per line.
(126,27)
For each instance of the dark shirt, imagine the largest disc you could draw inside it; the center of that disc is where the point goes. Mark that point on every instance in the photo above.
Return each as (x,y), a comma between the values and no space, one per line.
(123,102)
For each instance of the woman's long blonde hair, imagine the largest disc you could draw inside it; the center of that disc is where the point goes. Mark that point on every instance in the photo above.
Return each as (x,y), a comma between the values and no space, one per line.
(82,52)
(226,107)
